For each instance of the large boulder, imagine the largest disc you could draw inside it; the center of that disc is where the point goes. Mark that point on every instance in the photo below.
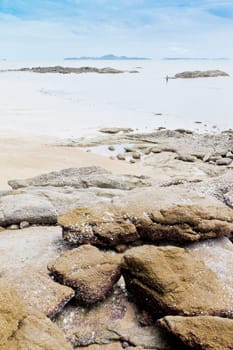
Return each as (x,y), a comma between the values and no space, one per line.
(203,332)
(21,330)
(177,281)
(90,272)
(85,177)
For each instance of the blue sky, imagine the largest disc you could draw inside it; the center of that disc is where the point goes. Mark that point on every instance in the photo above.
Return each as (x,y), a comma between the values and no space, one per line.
(49,29)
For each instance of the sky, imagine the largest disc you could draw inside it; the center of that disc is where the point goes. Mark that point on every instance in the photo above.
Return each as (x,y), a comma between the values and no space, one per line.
(54,29)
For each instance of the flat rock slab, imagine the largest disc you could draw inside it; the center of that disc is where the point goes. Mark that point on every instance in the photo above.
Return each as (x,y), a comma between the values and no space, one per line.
(26,207)
(179,281)
(39,292)
(204,333)
(115,319)
(90,272)
(85,177)
(154,215)
(22,330)
(24,255)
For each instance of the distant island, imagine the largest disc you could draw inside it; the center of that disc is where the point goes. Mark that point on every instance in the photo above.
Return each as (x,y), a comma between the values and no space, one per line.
(107,58)
(193,58)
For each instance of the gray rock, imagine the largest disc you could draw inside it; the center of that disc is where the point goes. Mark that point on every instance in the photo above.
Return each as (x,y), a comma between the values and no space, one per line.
(26,207)
(115,130)
(121,157)
(83,178)
(69,70)
(224,161)
(228,197)
(201,74)
(186,158)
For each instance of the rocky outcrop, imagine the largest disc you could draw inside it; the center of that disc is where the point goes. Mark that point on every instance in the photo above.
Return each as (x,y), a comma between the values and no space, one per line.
(102,227)
(21,330)
(69,70)
(201,74)
(90,272)
(83,178)
(177,281)
(115,130)
(204,333)
(179,216)
(115,319)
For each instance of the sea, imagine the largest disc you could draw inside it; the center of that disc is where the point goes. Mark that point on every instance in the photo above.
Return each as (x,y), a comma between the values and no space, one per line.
(75,105)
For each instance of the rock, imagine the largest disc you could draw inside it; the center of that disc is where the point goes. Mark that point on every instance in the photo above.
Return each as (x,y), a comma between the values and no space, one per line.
(186,158)
(184,131)
(177,281)
(26,207)
(21,330)
(179,215)
(13,227)
(202,74)
(156,150)
(69,70)
(89,271)
(80,178)
(219,187)
(115,130)
(136,155)
(229,155)
(24,255)
(133,161)
(224,161)
(24,224)
(228,197)
(129,149)
(111,148)
(100,227)
(121,156)
(204,333)
(39,292)
(113,320)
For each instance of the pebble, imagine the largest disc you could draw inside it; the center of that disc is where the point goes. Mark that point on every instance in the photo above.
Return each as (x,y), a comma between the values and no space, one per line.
(13,227)
(121,157)
(24,224)
(111,148)
(136,155)
(224,161)
(133,161)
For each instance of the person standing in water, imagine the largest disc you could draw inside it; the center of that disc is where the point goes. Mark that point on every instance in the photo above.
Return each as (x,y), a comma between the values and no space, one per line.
(167,79)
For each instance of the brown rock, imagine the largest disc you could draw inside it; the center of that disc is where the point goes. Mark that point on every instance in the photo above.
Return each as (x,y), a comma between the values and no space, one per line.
(39,292)
(89,271)
(98,227)
(20,330)
(172,280)
(204,333)
(113,320)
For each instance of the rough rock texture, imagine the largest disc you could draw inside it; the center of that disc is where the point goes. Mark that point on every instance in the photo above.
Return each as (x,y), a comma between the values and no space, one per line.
(204,333)
(177,281)
(220,187)
(20,330)
(26,207)
(115,130)
(89,271)
(69,70)
(158,214)
(115,319)
(101,226)
(39,292)
(202,74)
(24,255)
(83,178)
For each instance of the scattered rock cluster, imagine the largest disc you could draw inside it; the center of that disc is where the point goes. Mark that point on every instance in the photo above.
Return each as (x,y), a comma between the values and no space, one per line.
(69,70)
(201,74)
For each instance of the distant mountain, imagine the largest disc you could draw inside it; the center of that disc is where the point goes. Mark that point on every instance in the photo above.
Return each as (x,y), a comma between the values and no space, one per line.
(106,58)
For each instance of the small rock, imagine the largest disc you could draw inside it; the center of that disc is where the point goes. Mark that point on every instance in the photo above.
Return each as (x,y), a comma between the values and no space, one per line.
(136,155)
(229,155)
(133,161)
(224,161)
(121,248)
(186,158)
(156,150)
(111,148)
(184,131)
(13,227)
(115,130)
(24,224)
(128,149)
(121,157)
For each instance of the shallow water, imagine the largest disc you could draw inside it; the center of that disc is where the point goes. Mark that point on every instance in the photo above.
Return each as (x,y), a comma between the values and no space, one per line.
(74,105)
